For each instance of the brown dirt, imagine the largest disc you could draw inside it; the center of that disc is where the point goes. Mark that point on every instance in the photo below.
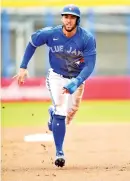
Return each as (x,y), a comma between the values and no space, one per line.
(93,153)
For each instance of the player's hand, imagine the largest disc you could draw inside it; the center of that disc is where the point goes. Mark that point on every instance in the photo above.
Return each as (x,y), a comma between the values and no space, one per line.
(65,91)
(21,76)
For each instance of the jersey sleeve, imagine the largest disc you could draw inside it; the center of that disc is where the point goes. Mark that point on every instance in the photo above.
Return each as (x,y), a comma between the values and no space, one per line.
(89,55)
(89,47)
(41,36)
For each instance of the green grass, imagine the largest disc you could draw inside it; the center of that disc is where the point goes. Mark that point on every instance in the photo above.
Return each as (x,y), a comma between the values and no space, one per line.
(36,114)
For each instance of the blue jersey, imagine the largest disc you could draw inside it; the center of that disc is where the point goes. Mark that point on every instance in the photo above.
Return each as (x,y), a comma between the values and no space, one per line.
(67,56)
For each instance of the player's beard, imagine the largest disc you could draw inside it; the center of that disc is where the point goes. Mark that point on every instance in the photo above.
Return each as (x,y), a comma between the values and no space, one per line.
(70,29)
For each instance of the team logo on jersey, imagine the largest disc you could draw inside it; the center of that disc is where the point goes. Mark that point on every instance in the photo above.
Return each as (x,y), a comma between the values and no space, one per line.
(79,62)
(70,50)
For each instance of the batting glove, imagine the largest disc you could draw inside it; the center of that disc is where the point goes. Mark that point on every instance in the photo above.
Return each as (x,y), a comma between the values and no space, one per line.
(73,85)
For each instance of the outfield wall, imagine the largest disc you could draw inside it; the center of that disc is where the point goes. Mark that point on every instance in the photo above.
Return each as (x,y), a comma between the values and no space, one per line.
(95,88)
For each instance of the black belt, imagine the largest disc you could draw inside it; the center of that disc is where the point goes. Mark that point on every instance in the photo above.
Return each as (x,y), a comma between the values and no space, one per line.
(68,77)
(65,76)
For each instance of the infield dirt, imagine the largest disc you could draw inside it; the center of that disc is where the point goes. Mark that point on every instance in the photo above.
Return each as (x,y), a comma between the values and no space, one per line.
(94,152)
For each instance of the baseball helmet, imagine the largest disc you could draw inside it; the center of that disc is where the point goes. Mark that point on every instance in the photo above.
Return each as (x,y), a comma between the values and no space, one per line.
(72,9)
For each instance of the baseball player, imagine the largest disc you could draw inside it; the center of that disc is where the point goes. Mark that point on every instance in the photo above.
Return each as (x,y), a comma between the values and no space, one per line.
(72,56)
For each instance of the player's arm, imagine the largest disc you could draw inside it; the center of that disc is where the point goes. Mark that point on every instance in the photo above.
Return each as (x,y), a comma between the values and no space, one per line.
(23,72)
(37,39)
(90,59)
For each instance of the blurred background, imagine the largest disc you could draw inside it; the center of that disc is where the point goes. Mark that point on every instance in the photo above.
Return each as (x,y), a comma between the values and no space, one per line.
(109,23)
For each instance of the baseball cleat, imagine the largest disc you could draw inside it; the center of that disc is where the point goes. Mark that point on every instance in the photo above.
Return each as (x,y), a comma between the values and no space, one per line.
(51,112)
(60,160)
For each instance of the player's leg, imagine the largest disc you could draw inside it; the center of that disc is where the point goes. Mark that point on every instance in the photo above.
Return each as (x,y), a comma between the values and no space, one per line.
(55,84)
(51,111)
(74,104)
